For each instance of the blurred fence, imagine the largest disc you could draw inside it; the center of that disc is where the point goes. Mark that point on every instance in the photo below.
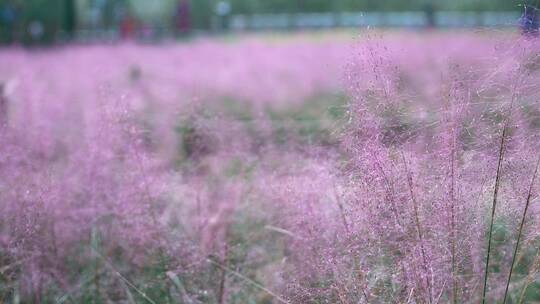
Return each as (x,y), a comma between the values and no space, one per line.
(30,28)
(376,19)
(256,22)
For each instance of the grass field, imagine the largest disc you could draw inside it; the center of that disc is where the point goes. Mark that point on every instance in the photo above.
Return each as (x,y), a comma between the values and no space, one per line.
(322,167)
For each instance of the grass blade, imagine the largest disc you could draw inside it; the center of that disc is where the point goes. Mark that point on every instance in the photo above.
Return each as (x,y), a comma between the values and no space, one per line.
(494,207)
(250,281)
(122,278)
(529,195)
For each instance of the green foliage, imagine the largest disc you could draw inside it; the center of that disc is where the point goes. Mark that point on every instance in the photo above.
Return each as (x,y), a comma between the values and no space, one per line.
(275,6)
(53,15)
(312,122)
(202,13)
(61,15)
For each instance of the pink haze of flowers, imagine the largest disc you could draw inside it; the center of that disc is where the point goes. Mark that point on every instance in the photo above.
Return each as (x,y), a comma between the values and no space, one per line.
(396,212)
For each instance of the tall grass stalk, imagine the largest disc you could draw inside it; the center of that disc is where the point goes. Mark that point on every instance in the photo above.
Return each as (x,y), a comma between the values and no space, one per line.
(453,225)
(497,182)
(496,193)
(418,228)
(494,206)
(223,278)
(529,195)
(452,219)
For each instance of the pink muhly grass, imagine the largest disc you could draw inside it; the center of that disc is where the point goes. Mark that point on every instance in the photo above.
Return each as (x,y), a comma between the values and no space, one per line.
(56,194)
(141,164)
(384,122)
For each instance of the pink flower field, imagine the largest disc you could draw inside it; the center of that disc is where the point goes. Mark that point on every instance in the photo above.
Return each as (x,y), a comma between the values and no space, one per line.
(380,167)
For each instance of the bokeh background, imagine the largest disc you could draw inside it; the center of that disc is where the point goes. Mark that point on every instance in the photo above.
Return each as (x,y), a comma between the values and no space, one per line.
(40,21)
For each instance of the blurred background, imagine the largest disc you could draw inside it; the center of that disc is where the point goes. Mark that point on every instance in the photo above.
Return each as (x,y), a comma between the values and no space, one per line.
(52,21)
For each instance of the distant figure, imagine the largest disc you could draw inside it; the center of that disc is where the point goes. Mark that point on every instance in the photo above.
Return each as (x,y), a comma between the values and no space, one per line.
(8,19)
(222,11)
(429,12)
(3,105)
(128,27)
(36,30)
(529,21)
(182,18)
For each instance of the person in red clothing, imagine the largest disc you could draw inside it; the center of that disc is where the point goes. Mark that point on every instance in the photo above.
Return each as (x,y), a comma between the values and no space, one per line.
(128,27)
